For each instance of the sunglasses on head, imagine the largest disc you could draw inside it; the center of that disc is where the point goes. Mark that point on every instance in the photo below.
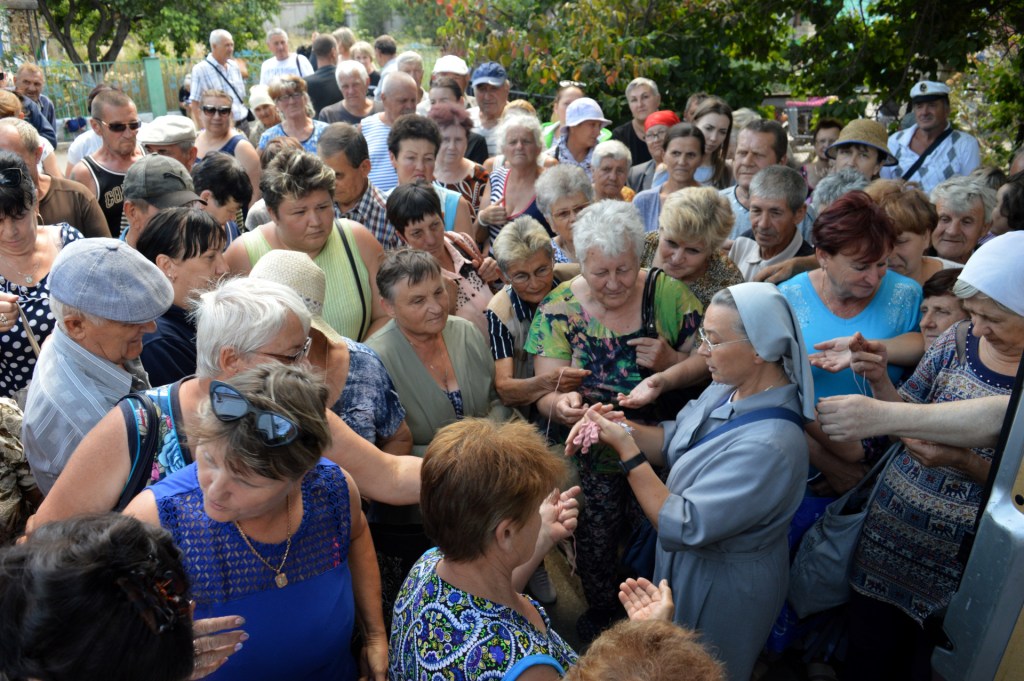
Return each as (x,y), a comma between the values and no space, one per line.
(216,110)
(160,602)
(11,177)
(230,405)
(121,127)
(571,83)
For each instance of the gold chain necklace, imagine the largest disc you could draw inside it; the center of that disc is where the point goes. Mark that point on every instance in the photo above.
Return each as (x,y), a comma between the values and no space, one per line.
(281,579)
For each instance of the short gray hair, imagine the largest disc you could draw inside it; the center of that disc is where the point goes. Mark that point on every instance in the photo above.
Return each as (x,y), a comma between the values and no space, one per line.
(612,227)
(350,67)
(26,131)
(724,298)
(557,183)
(277,31)
(831,187)
(394,80)
(520,240)
(780,182)
(59,311)
(408,57)
(613,149)
(243,314)
(408,265)
(965,291)
(642,82)
(522,120)
(961,192)
(217,35)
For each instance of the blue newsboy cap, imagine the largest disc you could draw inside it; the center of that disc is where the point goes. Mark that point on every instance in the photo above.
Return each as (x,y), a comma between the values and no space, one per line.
(109,279)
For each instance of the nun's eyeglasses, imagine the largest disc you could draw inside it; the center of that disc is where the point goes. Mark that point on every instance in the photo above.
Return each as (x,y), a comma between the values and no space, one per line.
(711,346)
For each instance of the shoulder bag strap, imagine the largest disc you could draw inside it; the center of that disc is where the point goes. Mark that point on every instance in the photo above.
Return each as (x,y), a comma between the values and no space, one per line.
(648,321)
(961,342)
(931,147)
(780,413)
(227,82)
(364,325)
(144,451)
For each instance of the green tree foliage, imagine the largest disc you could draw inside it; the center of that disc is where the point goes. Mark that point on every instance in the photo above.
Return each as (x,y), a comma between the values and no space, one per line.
(103,26)
(683,45)
(328,14)
(373,15)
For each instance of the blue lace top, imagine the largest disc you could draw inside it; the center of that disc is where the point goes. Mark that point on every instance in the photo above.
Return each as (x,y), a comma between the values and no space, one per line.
(440,633)
(302,631)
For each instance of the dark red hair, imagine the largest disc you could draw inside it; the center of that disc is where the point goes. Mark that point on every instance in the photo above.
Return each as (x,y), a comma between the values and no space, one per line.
(856,226)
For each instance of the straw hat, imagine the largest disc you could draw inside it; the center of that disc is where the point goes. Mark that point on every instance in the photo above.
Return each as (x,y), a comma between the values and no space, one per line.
(867,132)
(298,272)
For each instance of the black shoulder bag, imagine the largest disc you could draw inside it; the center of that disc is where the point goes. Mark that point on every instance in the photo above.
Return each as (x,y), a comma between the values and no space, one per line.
(927,152)
(249,115)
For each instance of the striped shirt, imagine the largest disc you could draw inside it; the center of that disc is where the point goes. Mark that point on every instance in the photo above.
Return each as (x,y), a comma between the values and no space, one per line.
(71,390)
(382,173)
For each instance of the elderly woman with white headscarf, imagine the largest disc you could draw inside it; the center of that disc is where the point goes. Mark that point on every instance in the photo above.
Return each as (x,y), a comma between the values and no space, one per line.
(738,460)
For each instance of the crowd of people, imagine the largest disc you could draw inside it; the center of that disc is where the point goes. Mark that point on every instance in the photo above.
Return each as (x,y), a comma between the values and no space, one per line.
(312,379)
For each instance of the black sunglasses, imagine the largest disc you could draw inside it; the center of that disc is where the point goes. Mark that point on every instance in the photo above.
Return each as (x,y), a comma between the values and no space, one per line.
(11,177)
(230,405)
(211,110)
(121,127)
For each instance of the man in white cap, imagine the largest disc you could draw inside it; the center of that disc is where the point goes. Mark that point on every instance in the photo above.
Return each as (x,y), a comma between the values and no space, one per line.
(105,296)
(455,67)
(172,136)
(931,151)
(218,71)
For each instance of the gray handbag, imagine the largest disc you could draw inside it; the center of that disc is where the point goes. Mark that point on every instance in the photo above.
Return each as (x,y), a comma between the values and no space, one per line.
(819,577)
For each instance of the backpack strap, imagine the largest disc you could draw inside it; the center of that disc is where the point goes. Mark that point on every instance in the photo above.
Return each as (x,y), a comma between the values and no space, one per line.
(142,449)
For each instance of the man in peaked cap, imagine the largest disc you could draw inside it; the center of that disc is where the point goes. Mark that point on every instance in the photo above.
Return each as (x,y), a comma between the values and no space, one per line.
(173,136)
(151,184)
(105,296)
(931,151)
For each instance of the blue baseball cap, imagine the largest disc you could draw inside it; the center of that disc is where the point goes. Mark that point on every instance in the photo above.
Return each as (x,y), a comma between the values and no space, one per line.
(490,73)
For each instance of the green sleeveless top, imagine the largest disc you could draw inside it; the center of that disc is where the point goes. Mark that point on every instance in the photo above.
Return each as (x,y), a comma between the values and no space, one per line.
(348,302)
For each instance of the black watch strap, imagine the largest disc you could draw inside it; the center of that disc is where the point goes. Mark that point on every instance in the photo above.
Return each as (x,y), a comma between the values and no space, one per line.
(630,464)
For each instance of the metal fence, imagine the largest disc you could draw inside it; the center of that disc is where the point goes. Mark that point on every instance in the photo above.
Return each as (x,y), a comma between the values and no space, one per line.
(68,84)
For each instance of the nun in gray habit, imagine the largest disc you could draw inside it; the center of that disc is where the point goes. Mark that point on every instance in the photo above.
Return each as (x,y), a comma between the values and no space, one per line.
(738,468)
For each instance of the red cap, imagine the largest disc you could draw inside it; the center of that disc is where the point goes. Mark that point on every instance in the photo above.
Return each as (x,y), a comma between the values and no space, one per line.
(668,118)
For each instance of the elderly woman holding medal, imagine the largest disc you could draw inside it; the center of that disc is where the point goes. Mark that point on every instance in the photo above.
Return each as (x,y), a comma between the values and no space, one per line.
(275,533)
(737,461)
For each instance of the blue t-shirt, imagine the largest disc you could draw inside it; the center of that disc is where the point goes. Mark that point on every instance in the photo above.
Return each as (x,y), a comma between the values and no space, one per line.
(895,310)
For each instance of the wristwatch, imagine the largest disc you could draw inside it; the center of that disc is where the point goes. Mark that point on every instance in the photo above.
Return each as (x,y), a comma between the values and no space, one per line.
(630,464)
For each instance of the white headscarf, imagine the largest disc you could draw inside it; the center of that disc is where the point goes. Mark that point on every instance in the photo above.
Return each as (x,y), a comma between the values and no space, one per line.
(775,334)
(996,270)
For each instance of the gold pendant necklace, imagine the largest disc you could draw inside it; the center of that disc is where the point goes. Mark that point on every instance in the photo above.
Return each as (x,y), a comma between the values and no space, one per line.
(281,579)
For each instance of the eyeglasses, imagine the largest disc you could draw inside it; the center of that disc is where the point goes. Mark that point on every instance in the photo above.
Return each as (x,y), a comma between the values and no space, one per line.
(230,405)
(289,359)
(525,277)
(571,83)
(655,136)
(711,346)
(11,177)
(121,127)
(567,213)
(216,110)
(289,97)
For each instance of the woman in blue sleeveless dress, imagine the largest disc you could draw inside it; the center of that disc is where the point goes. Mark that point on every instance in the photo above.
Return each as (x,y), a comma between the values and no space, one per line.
(272,532)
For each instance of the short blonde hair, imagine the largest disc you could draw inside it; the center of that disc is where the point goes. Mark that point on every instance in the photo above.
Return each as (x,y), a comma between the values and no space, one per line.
(698,214)
(651,650)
